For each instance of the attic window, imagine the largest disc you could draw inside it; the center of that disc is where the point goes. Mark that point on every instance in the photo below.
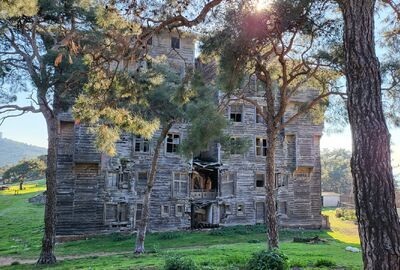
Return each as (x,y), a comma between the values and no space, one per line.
(173,141)
(261,147)
(236,111)
(175,43)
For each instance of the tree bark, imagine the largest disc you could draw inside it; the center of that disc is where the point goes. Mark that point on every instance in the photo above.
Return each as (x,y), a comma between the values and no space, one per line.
(48,243)
(141,233)
(378,222)
(270,198)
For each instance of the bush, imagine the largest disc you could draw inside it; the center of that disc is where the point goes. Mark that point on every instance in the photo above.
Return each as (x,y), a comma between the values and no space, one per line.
(179,263)
(324,262)
(268,260)
(346,214)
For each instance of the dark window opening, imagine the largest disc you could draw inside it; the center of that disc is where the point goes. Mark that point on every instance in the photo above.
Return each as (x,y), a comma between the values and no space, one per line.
(173,141)
(260,180)
(175,43)
(150,41)
(259,118)
(142,144)
(236,113)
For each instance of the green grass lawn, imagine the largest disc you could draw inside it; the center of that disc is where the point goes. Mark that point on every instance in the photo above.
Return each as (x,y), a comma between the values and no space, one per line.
(229,248)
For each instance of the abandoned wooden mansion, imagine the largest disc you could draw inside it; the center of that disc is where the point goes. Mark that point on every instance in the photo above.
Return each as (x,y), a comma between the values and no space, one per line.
(99,194)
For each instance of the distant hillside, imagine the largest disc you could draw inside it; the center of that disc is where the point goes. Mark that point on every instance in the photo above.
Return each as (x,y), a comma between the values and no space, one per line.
(11,151)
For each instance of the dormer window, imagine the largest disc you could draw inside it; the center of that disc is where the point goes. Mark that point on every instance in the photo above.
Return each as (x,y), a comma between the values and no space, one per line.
(175,43)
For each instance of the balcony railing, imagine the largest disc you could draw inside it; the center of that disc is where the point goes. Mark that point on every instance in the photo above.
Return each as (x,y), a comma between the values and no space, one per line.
(203,194)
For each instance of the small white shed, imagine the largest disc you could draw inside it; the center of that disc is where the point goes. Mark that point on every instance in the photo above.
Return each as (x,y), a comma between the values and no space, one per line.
(330,199)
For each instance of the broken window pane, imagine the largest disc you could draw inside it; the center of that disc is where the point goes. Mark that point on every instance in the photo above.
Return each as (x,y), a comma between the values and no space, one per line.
(260,180)
(173,141)
(236,111)
(111,212)
(164,210)
(142,145)
(123,212)
(261,147)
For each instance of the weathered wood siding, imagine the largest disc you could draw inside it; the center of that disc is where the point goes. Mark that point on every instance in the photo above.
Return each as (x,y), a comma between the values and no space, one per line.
(96,193)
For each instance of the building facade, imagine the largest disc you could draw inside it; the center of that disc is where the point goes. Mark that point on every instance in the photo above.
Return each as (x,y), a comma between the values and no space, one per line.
(100,194)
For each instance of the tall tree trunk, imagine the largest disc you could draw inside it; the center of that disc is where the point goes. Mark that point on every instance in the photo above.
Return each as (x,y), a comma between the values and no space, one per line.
(48,243)
(272,223)
(141,233)
(378,221)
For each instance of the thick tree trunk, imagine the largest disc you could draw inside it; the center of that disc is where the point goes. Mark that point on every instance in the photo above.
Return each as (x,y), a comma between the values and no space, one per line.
(141,233)
(378,221)
(272,222)
(48,243)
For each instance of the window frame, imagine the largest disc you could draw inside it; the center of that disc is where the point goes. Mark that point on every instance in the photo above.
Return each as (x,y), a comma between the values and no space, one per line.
(179,214)
(262,148)
(238,105)
(175,43)
(165,213)
(142,142)
(175,146)
(259,189)
(180,182)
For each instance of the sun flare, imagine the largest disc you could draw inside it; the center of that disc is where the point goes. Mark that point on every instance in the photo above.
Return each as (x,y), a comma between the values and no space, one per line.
(262,4)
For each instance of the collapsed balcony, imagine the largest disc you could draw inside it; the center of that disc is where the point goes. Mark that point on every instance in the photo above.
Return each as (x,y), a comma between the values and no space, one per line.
(204,181)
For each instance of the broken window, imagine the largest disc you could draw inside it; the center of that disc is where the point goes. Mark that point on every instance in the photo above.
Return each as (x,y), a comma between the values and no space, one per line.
(142,178)
(112,179)
(227,208)
(175,43)
(124,180)
(123,212)
(228,184)
(259,118)
(173,141)
(179,210)
(142,145)
(164,210)
(110,213)
(236,111)
(261,147)
(116,212)
(260,181)
(240,209)
(180,184)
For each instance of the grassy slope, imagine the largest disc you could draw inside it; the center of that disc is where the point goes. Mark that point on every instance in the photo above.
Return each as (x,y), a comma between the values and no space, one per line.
(21,231)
